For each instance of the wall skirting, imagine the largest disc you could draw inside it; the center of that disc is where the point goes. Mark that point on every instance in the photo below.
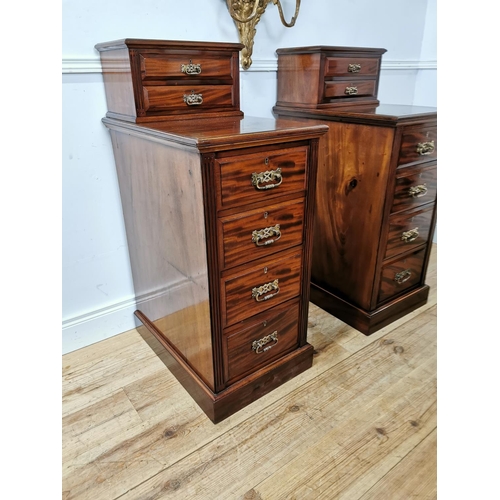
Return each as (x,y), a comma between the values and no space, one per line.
(93,65)
(94,326)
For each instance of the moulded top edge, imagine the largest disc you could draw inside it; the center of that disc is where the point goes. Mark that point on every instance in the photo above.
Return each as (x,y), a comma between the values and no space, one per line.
(177,44)
(326,48)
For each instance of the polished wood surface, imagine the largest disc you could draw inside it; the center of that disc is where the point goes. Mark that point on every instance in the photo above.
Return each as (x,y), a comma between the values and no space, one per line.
(194,192)
(236,173)
(238,287)
(317,77)
(261,232)
(360,423)
(240,356)
(377,174)
(148,83)
(349,213)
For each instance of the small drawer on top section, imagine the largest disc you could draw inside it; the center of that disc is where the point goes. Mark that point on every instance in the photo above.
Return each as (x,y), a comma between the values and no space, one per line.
(260,340)
(258,233)
(418,144)
(353,88)
(400,275)
(414,187)
(346,66)
(256,177)
(184,66)
(408,231)
(186,98)
(257,289)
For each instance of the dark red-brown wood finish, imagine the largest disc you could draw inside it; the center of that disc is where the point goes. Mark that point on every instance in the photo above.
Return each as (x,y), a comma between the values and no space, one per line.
(219,217)
(376,193)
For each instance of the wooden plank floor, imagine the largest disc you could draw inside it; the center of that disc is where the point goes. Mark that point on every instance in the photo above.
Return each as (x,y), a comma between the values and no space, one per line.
(359,424)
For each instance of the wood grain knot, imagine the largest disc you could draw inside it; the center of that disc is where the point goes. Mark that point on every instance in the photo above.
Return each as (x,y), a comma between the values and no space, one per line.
(414,423)
(311,324)
(398,349)
(173,484)
(170,433)
(294,408)
(252,495)
(387,341)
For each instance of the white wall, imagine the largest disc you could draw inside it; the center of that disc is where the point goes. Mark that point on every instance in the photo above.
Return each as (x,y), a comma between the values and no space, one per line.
(98,297)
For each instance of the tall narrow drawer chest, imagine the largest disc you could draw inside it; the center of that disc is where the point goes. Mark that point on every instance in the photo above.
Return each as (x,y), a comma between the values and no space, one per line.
(218,211)
(376,195)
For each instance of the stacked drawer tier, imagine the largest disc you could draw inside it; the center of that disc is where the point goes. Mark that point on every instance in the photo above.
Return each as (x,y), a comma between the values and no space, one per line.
(261,205)
(411,215)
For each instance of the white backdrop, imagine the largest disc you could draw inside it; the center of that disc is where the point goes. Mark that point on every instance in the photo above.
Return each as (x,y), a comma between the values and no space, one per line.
(98,297)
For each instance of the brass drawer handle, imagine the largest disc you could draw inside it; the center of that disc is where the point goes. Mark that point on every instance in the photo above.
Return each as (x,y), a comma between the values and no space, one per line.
(402,276)
(259,291)
(354,68)
(191,69)
(351,90)
(267,232)
(409,236)
(425,148)
(257,345)
(193,99)
(418,191)
(267,176)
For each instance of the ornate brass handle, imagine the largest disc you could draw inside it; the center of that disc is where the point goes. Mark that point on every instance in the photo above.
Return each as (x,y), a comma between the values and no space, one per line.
(267,232)
(354,68)
(257,345)
(425,148)
(402,276)
(409,236)
(260,291)
(193,99)
(418,191)
(191,69)
(267,176)
(351,90)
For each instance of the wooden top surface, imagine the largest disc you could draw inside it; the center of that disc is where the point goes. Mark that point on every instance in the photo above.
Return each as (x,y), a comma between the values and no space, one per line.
(384,114)
(225,133)
(166,44)
(329,48)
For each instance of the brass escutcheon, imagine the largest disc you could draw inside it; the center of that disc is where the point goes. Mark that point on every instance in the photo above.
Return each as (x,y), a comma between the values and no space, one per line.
(354,68)
(193,99)
(402,276)
(191,69)
(418,191)
(267,232)
(257,345)
(351,90)
(259,292)
(425,148)
(409,236)
(267,176)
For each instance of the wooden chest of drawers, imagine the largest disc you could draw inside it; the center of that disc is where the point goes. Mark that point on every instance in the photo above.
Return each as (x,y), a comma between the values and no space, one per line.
(328,77)
(219,218)
(151,80)
(376,210)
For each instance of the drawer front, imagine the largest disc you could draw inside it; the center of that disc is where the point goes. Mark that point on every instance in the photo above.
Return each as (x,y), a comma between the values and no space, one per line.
(348,66)
(183,66)
(259,233)
(408,231)
(353,88)
(186,98)
(258,289)
(261,176)
(260,340)
(418,144)
(414,188)
(401,275)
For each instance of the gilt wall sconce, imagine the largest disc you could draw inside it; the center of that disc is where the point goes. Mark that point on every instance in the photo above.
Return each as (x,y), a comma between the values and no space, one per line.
(246,14)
